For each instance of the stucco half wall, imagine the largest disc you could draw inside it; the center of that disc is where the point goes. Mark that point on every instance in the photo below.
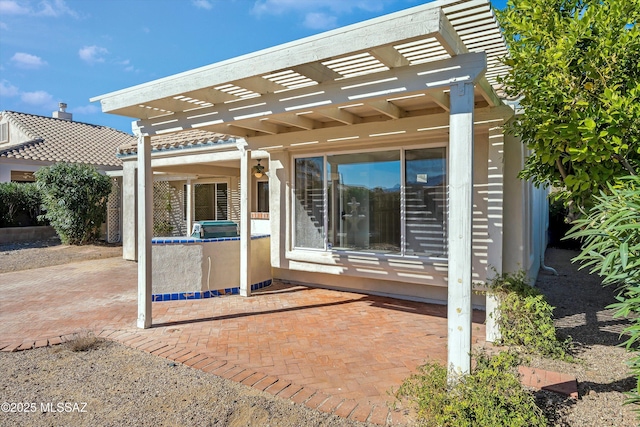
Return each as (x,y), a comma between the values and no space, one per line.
(203,266)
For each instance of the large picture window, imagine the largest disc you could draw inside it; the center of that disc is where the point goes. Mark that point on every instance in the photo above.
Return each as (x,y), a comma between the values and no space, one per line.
(388,202)
(364,201)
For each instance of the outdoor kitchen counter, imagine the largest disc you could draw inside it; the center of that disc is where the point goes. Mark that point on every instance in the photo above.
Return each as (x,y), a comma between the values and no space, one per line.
(190,268)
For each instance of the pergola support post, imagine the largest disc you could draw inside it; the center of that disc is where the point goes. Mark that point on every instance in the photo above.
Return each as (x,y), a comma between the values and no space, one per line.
(145,231)
(129,217)
(189,189)
(460,236)
(245,222)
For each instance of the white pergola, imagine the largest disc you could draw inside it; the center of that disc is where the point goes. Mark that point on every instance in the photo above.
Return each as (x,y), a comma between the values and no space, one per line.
(429,71)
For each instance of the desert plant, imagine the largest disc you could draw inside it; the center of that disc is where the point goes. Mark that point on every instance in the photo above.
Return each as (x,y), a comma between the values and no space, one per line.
(490,396)
(526,318)
(610,236)
(75,198)
(83,341)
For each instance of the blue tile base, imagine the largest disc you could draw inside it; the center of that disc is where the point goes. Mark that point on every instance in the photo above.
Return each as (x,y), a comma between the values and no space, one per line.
(175,296)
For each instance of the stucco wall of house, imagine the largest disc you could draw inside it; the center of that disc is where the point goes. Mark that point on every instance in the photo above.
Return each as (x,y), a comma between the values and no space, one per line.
(8,165)
(525,215)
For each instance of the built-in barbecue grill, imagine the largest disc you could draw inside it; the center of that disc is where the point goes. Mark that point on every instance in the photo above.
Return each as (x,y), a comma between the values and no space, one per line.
(214,229)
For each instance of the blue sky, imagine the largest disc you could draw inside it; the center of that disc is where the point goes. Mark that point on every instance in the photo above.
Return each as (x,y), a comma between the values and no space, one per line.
(55,51)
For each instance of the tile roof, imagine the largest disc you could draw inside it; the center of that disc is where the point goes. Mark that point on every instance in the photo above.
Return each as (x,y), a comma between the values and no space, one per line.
(193,138)
(58,140)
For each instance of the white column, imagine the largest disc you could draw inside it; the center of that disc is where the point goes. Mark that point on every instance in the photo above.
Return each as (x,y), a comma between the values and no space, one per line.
(129,217)
(190,206)
(145,230)
(460,237)
(245,223)
(495,194)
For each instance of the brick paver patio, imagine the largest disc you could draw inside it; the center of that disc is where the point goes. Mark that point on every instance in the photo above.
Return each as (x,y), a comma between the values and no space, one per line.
(340,352)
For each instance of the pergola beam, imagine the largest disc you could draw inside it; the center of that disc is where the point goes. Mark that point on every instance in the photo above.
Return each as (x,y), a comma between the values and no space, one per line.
(339,115)
(296,120)
(387,108)
(440,98)
(316,72)
(389,57)
(448,38)
(200,169)
(258,126)
(413,125)
(403,81)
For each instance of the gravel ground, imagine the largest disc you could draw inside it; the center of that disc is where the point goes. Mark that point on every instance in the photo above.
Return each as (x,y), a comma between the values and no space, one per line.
(45,253)
(117,386)
(603,376)
(122,386)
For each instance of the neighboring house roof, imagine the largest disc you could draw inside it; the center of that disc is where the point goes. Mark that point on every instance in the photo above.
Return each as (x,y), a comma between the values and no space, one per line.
(175,141)
(57,140)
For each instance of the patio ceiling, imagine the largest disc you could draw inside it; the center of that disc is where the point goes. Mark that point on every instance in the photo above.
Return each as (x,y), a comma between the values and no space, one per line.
(394,68)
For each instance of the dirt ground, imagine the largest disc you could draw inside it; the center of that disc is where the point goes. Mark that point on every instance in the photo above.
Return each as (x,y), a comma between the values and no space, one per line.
(122,386)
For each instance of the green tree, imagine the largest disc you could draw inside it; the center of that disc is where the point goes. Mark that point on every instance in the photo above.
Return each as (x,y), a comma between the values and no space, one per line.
(575,69)
(75,199)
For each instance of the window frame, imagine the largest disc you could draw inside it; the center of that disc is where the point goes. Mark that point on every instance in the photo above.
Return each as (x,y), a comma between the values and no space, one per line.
(402,149)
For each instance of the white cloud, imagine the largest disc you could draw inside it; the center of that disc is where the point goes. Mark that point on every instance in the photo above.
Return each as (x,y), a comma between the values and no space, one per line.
(128,66)
(92,54)
(56,8)
(7,90)
(27,61)
(39,98)
(319,14)
(11,7)
(202,4)
(86,109)
(276,7)
(320,21)
(52,8)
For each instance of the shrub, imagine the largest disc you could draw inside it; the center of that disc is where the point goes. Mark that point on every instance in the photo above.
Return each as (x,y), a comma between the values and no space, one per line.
(75,198)
(610,236)
(490,396)
(526,318)
(84,341)
(19,204)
